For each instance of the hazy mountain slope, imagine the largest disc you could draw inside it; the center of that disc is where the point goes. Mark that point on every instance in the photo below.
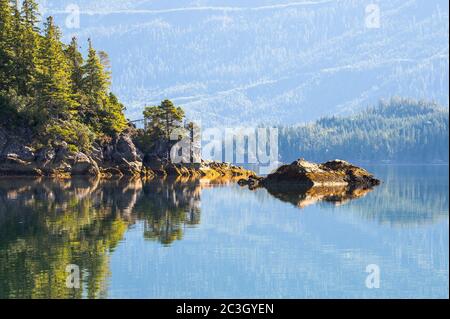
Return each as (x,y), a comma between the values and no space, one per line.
(229,62)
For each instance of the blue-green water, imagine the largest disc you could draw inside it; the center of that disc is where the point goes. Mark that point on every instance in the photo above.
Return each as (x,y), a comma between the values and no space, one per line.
(166,239)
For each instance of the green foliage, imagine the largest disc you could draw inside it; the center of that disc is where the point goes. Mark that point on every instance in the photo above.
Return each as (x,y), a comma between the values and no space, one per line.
(6,45)
(163,119)
(96,81)
(100,109)
(75,64)
(161,122)
(54,96)
(77,135)
(27,58)
(399,130)
(48,85)
(112,118)
(13,109)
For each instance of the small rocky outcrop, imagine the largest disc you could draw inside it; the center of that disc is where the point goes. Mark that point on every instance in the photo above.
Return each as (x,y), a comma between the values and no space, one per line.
(303,183)
(302,174)
(332,173)
(253,182)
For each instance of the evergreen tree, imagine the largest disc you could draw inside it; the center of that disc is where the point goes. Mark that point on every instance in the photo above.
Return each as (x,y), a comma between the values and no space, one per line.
(95,86)
(48,85)
(16,47)
(23,47)
(26,61)
(6,47)
(30,14)
(75,62)
(55,98)
(103,112)
(96,81)
(163,120)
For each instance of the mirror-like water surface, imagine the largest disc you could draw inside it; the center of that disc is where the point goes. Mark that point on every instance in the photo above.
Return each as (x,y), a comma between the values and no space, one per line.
(194,239)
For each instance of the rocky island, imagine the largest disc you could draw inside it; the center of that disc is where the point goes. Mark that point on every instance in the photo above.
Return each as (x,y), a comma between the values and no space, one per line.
(303,182)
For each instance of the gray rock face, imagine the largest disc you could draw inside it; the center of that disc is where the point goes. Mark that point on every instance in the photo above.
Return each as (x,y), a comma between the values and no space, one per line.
(3,140)
(45,155)
(84,165)
(16,150)
(97,153)
(121,155)
(127,150)
(16,158)
(118,157)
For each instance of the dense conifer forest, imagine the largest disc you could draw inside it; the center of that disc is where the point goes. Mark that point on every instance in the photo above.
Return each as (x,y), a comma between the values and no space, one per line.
(48,86)
(398,130)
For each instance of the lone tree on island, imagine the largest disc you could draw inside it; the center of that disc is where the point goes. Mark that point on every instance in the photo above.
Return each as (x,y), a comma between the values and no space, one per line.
(162,121)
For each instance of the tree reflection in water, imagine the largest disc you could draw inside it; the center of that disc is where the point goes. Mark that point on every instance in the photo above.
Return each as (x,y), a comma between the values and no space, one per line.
(46,225)
(166,207)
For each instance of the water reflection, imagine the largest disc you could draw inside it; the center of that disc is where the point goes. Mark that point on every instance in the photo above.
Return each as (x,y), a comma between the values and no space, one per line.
(166,207)
(306,197)
(409,196)
(46,225)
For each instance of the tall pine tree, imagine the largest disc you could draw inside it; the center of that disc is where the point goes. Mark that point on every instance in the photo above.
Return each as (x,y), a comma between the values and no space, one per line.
(54,85)
(6,46)
(96,81)
(28,46)
(103,112)
(75,62)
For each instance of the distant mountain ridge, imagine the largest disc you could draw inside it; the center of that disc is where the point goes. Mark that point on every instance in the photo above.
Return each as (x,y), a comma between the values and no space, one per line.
(277,62)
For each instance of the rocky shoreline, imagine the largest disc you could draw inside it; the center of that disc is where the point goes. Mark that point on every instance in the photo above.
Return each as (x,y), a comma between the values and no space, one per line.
(119,157)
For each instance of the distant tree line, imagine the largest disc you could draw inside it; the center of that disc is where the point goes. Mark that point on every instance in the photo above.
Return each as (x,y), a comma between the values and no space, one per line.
(399,130)
(49,86)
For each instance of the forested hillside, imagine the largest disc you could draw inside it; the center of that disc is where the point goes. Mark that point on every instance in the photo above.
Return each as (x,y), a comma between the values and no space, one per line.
(234,62)
(400,130)
(48,91)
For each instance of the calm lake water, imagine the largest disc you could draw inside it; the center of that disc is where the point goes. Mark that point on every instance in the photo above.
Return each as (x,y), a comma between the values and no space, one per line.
(134,239)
